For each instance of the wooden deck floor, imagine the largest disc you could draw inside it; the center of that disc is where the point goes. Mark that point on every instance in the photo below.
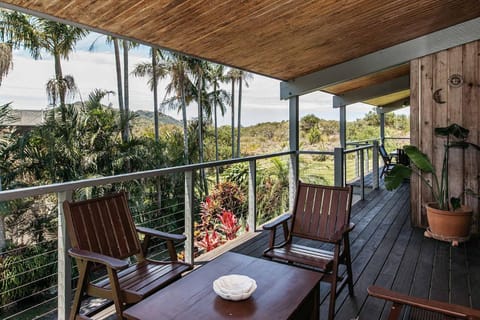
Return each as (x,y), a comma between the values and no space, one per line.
(388,252)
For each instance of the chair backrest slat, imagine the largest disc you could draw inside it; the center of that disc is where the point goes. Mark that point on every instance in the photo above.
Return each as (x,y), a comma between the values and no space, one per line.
(103,225)
(320,211)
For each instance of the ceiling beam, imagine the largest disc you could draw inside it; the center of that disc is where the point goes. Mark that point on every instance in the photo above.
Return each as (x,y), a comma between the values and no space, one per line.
(392,106)
(374,91)
(401,53)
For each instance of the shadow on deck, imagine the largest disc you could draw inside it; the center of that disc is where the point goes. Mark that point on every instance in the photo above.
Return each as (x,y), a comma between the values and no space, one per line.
(388,252)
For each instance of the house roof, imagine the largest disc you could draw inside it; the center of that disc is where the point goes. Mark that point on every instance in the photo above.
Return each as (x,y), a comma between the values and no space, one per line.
(282,39)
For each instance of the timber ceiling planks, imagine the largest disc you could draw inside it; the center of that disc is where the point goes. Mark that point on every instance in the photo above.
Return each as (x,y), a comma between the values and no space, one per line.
(279,38)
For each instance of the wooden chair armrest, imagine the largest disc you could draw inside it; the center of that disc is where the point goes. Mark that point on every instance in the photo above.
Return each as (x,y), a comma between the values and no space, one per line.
(110,262)
(337,236)
(161,235)
(431,305)
(280,220)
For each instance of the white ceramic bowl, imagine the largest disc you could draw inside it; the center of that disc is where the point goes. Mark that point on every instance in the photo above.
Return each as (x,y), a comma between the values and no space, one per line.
(234,287)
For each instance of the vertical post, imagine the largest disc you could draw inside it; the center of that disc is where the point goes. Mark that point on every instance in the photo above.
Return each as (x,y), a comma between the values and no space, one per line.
(376,178)
(294,146)
(189,250)
(367,161)
(362,175)
(252,195)
(343,126)
(338,161)
(357,162)
(382,128)
(64,263)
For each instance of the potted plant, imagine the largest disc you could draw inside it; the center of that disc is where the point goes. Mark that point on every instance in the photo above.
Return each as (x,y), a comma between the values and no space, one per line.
(447,218)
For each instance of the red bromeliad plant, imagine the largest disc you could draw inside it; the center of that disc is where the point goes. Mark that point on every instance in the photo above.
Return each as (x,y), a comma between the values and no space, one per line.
(229,224)
(218,222)
(210,241)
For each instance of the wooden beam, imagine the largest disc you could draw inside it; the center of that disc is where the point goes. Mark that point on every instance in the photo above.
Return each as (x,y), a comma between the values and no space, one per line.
(401,53)
(393,106)
(374,91)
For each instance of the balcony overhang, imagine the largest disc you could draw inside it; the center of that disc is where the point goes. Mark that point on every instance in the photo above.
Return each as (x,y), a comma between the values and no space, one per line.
(308,44)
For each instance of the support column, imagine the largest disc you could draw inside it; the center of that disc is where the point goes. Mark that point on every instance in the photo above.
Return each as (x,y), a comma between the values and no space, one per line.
(382,128)
(252,196)
(343,126)
(189,249)
(376,178)
(294,146)
(339,167)
(64,263)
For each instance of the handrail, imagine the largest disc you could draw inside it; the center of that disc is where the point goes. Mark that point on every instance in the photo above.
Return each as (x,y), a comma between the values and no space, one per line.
(331,153)
(14,194)
(397,138)
(368,146)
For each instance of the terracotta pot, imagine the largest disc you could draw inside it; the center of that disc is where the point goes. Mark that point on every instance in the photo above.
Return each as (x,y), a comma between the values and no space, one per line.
(449,223)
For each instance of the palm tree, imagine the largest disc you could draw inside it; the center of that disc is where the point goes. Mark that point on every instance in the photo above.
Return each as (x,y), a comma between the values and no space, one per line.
(243,77)
(232,76)
(155,71)
(197,70)
(118,69)
(6,61)
(216,75)
(179,89)
(123,90)
(6,117)
(37,34)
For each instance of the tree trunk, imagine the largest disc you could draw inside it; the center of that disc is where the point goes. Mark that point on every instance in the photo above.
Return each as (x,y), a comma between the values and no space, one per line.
(118,70)
(3,236)
(125,89)
(155,93)
(216,129)
(184,116)
(61,89)
(59,78)
(239,112)
(200,131)
(233,117)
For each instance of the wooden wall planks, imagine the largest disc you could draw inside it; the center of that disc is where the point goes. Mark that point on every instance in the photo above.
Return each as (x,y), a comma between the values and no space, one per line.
(461,106)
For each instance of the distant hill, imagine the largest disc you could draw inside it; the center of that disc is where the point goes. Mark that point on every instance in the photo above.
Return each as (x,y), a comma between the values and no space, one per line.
(163,119)
(33,118)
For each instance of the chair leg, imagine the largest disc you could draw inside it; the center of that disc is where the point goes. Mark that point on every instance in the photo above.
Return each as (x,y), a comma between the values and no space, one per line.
(333,292)
(333,289)
(112,275)
(82,280)
(348,263)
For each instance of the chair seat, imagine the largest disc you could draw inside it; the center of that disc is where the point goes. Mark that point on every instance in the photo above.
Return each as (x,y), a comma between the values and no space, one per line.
(303,255)
(143,279)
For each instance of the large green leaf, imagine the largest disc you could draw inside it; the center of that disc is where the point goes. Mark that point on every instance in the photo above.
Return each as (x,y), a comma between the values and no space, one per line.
(395,177)
(419,159)
(454,129)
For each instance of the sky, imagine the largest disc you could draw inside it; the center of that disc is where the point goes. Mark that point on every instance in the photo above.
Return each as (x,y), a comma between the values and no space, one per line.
(24,86)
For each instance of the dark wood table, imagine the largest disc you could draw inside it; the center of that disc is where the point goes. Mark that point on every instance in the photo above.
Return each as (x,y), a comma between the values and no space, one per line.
(283,292)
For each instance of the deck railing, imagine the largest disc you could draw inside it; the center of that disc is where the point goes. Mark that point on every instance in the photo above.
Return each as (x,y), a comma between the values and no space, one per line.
(175,214)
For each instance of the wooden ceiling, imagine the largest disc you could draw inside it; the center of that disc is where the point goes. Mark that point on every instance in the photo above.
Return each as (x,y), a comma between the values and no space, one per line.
(282,39)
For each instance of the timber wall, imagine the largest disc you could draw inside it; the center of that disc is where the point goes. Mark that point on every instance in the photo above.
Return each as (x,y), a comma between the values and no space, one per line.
(437,102)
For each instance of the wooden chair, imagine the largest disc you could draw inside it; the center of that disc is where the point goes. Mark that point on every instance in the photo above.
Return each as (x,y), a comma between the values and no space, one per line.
(103,236)
(421,308)
(321,214)
(387,160)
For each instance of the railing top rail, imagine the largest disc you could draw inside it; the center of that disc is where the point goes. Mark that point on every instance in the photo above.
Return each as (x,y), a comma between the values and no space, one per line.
(397,138)
(316,152)
(13,194)
(361,141)
(364,147)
